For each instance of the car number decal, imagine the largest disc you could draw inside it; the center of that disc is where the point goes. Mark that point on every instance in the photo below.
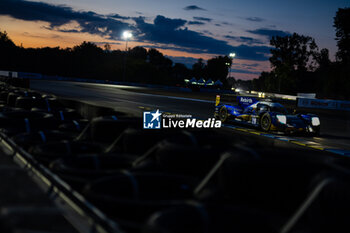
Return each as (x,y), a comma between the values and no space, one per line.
(254,120)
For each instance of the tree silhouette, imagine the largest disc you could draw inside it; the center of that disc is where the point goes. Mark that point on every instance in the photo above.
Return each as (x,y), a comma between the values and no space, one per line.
(8,51)
(87,60)
(157,58)
(198,69)
(292,58)
(139,53)
(180,72)
(293,52)
(6,42)
(342,26)
(217,68)
(107,47)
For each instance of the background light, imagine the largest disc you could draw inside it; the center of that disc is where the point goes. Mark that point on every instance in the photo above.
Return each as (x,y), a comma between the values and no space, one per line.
(127,35)
(232,55)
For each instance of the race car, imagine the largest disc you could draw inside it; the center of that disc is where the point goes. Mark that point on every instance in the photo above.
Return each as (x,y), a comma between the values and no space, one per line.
(266,115)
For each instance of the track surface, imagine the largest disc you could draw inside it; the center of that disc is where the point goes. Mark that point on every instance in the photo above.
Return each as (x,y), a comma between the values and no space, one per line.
(335,132)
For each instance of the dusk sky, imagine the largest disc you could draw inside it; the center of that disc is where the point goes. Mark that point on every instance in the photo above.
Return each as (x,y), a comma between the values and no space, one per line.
(182,30)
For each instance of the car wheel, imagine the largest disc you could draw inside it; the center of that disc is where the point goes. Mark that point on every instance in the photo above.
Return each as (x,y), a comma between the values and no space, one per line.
(223,114)
(316,134)
(265,122)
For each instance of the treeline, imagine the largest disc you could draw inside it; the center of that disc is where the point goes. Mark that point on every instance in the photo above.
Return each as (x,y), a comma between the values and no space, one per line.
(299,66)
(88,60)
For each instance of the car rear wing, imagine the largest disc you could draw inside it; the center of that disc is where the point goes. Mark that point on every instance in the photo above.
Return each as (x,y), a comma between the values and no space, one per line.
(225,99)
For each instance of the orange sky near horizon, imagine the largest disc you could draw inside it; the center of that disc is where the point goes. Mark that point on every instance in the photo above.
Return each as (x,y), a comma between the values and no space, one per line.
(37,35)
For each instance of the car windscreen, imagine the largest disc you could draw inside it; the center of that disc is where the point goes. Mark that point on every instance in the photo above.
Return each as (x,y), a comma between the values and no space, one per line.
(276,107)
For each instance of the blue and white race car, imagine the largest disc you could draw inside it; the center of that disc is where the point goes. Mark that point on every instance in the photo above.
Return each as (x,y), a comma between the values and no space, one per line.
(266,115)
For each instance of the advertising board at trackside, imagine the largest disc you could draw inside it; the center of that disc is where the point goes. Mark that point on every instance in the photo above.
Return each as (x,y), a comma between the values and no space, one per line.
(324,104)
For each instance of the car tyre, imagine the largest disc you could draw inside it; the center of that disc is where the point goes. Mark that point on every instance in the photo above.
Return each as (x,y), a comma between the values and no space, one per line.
(223,114)
(265,122)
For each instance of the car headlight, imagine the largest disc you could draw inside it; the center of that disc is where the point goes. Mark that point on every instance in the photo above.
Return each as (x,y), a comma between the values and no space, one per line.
(282,119)
(315,121)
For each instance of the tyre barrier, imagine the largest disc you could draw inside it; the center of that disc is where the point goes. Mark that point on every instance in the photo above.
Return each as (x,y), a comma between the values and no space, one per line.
(15,219)
(11,98)
(48,152)
(147,139)
(74,126)
(172,181)
(107,129)
(25,102)
(80,170)
(27,140)
(139,194)
(194,217)
(178,159)
(275,180)
(3,96)
(14,122)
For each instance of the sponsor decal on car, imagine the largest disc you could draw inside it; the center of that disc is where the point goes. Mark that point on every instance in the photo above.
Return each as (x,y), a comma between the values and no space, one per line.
(246,101)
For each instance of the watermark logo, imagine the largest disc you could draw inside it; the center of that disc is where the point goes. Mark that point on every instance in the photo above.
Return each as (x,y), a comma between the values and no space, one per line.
(152,120)
(157,120)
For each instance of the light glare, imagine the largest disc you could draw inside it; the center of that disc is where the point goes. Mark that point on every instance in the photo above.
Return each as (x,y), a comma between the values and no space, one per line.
(127,35)
(232,55)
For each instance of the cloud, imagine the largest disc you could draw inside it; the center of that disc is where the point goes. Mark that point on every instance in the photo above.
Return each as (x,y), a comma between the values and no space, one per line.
(164,32)
(41,36)
(195,23)
(227,23)
(202,19)
(194,8)
(244,71)
(59,15)
(163,22)
(105,42)
(251,65)
(117,16)
(187,61)
(269,32)
(254,19)
(244,39)
(208,32)
(171,35)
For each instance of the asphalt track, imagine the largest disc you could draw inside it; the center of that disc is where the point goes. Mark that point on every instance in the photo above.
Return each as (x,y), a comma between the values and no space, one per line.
(335,131)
